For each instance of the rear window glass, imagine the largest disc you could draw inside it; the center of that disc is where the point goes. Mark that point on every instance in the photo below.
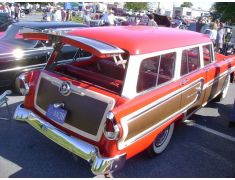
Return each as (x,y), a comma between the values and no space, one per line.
(190,60)
(155,71)
(207,54)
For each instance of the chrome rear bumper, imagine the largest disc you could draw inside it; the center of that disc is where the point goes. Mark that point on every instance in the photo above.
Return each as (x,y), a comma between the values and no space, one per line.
(99,165)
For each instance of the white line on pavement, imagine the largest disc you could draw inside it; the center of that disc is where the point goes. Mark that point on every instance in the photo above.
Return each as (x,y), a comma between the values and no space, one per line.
(225,136)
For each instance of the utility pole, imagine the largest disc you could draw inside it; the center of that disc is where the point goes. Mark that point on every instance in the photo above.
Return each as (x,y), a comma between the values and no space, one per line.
(158,8)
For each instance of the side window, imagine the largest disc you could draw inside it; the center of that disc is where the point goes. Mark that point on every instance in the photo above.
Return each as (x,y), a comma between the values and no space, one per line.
(167,68)
(155,71)
(190,60)
(207,54)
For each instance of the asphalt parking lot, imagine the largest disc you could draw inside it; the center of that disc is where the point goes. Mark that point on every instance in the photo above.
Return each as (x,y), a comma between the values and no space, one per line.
(204,146)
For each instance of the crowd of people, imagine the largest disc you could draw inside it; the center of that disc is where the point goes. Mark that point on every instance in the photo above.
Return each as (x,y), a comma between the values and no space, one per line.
(14,10)
(57,13)
(215,29)
(216,32)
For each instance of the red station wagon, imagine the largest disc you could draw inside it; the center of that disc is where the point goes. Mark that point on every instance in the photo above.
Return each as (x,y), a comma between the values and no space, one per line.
(123,90)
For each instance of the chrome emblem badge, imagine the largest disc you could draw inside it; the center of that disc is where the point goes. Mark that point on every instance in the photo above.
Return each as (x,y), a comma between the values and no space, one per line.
(65,89)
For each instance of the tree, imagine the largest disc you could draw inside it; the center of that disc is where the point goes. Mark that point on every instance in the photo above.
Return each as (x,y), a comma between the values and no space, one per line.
(226,10)
(136,6)
(187,4)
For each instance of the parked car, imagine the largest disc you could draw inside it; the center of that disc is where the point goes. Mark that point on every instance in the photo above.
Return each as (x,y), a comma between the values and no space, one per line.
(5,21)
(135,21)
(126,96)
(229,45)
(18,55)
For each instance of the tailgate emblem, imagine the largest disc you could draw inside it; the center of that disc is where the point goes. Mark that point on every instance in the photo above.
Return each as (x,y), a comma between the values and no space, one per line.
(65,89)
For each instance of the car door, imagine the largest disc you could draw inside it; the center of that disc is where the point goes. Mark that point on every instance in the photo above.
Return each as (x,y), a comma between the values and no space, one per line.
(214,80)
(34,58)
(156,85)
(192,79)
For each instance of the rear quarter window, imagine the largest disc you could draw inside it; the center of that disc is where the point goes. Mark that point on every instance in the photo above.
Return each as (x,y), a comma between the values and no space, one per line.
(155,71)
(190,60)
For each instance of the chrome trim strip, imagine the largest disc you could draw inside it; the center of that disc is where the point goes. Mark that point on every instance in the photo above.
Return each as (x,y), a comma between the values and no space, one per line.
(88,152)
(216,79)
(159,101)
(102,47)
(78,90)
(20,68)
(99,46)
(28,51)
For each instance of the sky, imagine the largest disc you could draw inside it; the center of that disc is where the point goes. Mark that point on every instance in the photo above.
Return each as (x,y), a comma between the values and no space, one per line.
(205,5)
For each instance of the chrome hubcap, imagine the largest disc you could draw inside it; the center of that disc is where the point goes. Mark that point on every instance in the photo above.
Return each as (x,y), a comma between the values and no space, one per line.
(161,137)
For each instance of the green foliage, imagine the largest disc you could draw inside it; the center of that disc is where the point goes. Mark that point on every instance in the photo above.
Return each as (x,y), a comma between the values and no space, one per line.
(227,11)
(136,6)
(77,19)
(187,4)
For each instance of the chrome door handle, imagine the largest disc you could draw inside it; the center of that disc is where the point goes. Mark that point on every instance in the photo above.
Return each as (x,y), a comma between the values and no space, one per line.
(199,89)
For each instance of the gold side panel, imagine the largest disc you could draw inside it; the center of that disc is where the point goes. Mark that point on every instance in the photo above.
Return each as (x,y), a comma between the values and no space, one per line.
(198,104)
(190,95)
(214,88)
(153,116)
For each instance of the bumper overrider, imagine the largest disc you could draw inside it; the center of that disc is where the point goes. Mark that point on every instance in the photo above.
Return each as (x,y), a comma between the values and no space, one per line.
(88,152)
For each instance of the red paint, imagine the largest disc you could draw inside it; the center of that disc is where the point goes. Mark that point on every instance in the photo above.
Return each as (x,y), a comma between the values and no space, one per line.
(131,39)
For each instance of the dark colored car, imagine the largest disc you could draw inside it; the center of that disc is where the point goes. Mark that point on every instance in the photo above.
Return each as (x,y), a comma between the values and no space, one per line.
(19,55)
(5,21)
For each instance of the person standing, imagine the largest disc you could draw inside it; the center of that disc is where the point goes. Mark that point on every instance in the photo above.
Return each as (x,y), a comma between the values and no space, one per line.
(17,12)
(108,19)
(12,11)
(49,14)
(68,15)
(151,21)
(199,24)
(220,38)
(1,8)
(232,120)
(63,14)
(86,18)
(8,10)
(212,32)
(58,16)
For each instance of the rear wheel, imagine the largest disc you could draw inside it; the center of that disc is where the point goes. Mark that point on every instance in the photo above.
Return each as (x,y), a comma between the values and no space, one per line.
(224,92)
(161,141)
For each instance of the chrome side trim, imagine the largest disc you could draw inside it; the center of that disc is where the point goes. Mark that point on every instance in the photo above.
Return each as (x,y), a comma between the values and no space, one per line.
(88,152)
(101,47)
(211,82)
(20,68)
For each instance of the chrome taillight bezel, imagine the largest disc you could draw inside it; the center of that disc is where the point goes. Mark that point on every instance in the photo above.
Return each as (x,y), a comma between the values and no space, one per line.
(21,84)
(115,135)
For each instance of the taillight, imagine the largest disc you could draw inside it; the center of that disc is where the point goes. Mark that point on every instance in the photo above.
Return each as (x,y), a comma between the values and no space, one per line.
(111,129)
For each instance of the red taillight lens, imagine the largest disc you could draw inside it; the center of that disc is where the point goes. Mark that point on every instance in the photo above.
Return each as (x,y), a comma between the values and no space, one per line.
(109,126)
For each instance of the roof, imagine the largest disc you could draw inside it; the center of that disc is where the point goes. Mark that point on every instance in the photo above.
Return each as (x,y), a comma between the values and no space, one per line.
(142,39)
(45,24)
